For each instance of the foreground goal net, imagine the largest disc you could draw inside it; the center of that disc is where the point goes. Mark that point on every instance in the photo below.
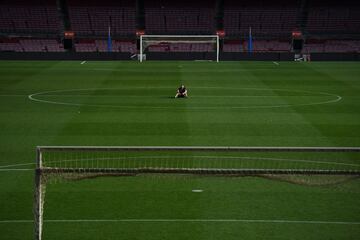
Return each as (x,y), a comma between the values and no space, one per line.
(180,43)
(294,164)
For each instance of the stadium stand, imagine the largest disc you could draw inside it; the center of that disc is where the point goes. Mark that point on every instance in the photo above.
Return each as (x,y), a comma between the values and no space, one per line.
(334,17)
(21,16)
(334,46)
(277,18)
(172,17)
(271,25)
(258,45)
(41,45)
(10,45)
(89,18)
(53,45)
(31,45)
(100,45)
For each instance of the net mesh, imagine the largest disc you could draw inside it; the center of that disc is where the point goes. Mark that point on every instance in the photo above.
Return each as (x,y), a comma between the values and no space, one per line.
(195,160)
(149,40)
(180,43)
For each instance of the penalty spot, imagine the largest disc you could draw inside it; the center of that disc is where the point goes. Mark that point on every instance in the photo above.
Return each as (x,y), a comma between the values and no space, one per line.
(197,190)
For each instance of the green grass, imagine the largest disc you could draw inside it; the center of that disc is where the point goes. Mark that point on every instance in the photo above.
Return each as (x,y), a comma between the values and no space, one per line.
(127,103)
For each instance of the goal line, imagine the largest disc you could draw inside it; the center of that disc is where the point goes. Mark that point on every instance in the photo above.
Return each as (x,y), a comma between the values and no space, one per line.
(186,220)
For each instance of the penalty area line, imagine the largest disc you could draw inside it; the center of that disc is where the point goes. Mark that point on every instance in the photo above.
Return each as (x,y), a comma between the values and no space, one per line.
(187,220)
(12,95)
(16,169)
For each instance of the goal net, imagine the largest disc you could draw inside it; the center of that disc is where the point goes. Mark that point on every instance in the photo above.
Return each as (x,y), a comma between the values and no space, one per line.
(303,165)
(181,43)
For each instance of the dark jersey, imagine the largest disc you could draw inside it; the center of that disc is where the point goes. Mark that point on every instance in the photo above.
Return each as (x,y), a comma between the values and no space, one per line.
(181,90)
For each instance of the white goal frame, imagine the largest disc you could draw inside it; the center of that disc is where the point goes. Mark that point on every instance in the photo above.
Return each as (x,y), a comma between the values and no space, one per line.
(177,39)
(43,170)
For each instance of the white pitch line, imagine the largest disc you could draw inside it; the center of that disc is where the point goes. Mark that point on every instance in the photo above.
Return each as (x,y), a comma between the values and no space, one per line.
(83,62)
(276,63)
(202,60)
(16,169)
(12,95)
(156,96)
(188,220)
(32,97)
(190,71)
(197,190)
(17,165)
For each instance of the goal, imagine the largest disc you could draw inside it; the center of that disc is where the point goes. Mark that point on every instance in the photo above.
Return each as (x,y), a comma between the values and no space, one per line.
(181,43)
(295,164)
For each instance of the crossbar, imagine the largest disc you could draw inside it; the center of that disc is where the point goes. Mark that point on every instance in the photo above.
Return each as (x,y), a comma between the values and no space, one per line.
(197,171)
(179,36)
(199,148)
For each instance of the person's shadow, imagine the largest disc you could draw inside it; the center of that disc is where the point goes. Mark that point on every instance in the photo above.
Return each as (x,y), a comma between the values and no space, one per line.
(169,97)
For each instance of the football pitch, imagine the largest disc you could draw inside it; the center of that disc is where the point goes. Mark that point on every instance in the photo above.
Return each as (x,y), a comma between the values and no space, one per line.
(119,103)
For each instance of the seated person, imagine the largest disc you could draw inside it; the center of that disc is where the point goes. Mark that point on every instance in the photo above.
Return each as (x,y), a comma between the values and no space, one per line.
(181,92)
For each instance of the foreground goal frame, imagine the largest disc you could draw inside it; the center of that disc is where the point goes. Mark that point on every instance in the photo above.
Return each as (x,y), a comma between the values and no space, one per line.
(42,170)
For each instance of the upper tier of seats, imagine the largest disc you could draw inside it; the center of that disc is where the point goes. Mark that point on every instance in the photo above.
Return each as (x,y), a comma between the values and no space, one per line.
(170,17)
(334,19)
(96,21)
(277,18)
(93,18)
(29,16)
(266,19)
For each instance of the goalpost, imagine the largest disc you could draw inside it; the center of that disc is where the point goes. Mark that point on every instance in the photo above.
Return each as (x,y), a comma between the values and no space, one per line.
(151,40)
(295,164)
